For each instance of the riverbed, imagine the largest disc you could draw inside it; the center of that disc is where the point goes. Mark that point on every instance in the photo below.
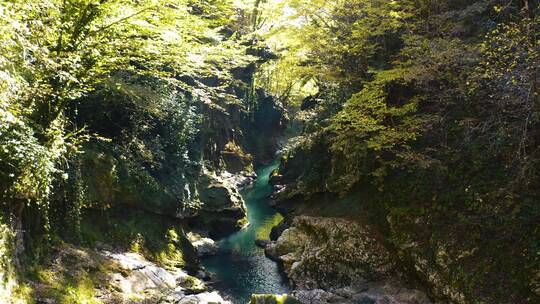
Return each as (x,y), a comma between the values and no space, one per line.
(240,267)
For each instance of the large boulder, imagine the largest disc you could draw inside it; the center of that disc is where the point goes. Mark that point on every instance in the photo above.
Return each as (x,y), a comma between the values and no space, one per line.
(321,252)
(139,274)
(217,194)
(373,293)
(335,260)
(201,298)
(221,209)
(235,159)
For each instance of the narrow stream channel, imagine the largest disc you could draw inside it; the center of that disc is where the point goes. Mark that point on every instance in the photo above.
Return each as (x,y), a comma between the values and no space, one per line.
(240,267)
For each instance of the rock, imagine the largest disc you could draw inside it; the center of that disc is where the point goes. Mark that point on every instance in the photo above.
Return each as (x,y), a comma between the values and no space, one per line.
(203,275)
(270,252)
(309,103)
(203,298)
(278,230)
(142,275)
(317,296)
(244,73)
(375,293)
(327,252)
(334,260)
(262,243)
(187,79)
(117,277)
(235,159)
(103,247)
(240,180)
(179,297)
(203,246)
(191,284)
(218,194)
(270,120)
(222,210)
(432,263)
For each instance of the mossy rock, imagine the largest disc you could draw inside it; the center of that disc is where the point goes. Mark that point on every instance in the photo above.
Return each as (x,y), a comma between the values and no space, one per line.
(160,239)
(272,299)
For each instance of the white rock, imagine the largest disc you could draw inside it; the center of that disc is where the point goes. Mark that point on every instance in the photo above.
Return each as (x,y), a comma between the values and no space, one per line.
(203,246)
(203,298)
(143,275)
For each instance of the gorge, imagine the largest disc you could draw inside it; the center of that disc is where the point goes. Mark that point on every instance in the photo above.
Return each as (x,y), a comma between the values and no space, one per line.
(269,151)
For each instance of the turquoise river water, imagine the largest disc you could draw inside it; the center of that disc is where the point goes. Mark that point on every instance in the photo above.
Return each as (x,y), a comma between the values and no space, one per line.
(240,267)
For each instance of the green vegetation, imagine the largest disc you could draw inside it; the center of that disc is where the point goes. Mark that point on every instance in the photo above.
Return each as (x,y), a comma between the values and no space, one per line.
(422,116)
(160,240)
(263,232)
(429,110)
(73,276)
(110,113)
(272,299)
(76,74)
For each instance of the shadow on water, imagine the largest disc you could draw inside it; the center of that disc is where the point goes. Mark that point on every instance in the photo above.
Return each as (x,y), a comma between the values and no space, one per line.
(240,267)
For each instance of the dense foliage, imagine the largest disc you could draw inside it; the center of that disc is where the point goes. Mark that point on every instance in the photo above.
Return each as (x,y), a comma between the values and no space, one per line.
(432,107)
(104,103)
(112,113)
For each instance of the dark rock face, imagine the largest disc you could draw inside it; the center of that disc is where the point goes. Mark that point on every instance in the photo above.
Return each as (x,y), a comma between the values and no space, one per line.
(211,81)
(309,103)
(278,230)
(245,73)
(150,172)
(262,243)
(263,52)
(235,138)
(187,80)
(236,160)
(265,128)
(303,168)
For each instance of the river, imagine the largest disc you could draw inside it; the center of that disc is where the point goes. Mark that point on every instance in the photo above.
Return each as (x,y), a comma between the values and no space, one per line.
(240,267)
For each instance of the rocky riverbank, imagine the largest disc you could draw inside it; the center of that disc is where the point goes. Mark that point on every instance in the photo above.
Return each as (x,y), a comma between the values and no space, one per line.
(135,272)
(110,276)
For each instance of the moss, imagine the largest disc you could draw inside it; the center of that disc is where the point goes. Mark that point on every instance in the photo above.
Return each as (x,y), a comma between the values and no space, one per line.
(71,277)
(193,284)
(242,222)
(22,294)
(273,299)
(236,160)
(79,291)
(159,239)
(263,232)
